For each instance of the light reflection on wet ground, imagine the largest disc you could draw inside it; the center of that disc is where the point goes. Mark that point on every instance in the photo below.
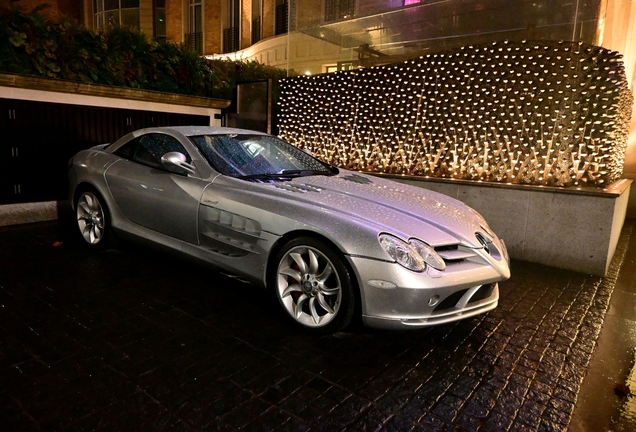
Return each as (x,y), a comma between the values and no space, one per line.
(627,420)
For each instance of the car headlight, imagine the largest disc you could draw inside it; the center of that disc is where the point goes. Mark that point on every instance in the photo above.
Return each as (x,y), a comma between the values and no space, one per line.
(428,254)
(402,252)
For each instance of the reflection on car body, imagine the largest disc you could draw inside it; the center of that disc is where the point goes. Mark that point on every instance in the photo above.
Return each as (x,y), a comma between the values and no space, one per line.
(322,239)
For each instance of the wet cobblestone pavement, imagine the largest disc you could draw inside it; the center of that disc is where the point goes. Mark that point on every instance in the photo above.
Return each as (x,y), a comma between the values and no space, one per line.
(129,339)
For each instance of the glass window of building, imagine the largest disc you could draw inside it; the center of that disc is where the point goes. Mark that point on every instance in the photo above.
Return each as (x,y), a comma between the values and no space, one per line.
(257,12)
(282,8)
(231,26)
(108,13)
(160,19)
(339,9)
(194,37)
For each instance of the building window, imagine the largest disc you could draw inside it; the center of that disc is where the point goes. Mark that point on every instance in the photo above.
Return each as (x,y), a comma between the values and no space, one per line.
(282,8)
(231,26)
(339,9)
(160,19)
(194,37)
(257,13)
(108,13)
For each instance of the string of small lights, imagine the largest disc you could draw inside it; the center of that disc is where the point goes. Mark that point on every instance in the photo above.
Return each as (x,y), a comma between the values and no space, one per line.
(542,113)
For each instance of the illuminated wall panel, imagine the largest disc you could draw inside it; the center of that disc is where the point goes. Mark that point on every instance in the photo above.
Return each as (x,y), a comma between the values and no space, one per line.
(543,113)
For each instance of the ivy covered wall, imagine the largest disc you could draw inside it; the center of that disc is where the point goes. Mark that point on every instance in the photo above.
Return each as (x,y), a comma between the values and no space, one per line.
(40,44)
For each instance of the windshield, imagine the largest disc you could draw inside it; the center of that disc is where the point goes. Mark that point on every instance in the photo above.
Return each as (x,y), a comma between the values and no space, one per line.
(258,157)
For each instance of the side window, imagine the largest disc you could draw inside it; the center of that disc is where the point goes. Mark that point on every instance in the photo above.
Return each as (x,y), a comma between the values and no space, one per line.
(148,149)
(127,150)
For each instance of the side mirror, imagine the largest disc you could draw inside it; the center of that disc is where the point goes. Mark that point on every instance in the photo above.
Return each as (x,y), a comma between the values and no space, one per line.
(173,160)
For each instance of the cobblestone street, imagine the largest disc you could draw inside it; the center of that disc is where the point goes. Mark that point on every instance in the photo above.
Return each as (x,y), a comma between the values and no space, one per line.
(130,339)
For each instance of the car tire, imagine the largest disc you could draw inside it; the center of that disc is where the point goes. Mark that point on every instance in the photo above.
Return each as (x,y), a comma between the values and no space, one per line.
(93,219)
(313,286)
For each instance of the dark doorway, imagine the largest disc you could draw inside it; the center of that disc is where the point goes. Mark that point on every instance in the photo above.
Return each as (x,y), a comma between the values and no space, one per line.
(38,138)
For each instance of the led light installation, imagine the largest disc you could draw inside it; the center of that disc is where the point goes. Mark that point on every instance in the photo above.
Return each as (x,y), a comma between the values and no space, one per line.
(542,113)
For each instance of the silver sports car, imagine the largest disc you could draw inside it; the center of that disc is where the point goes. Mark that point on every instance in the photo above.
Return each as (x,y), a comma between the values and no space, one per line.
(330,244)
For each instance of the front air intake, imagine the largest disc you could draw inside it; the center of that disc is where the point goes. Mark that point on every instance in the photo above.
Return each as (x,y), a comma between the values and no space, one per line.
(485,242)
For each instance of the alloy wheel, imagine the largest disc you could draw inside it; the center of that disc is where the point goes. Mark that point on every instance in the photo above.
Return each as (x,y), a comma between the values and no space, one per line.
(309,287)
(90,218)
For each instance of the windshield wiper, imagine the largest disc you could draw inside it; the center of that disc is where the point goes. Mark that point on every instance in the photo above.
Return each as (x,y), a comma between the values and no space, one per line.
(330,171)
(306,173)
(284,174)
(261,176)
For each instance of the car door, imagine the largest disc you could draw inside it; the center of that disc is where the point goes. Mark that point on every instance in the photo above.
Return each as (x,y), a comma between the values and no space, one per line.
(150,195)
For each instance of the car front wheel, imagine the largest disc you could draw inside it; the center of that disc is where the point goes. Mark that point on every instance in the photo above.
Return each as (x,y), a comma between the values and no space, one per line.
(313,286)
(92,219)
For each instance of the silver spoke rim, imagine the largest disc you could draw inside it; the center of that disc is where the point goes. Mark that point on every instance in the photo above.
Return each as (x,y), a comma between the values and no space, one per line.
(314,312)
(326,306)
(313,262)
(302,267)
(298,309)
(90,218)
(325,274)
(309,286)
(329,291)
(84,205)
(295,274)
(292,288)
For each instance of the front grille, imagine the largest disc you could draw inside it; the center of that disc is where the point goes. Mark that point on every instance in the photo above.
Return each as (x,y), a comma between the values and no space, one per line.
(450,302)
(455,255)
(483,293)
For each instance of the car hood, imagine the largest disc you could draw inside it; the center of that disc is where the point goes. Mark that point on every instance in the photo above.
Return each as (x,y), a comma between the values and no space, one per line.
(400,209)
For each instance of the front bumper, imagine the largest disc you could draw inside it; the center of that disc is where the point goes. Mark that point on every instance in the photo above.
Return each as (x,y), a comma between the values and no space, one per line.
(396,298)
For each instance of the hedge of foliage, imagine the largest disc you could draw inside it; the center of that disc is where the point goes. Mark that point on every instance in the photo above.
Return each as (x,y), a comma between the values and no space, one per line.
(32,44)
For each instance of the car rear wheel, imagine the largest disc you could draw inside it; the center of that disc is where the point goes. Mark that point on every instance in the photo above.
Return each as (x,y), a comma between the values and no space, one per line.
(313,286)
(92,219)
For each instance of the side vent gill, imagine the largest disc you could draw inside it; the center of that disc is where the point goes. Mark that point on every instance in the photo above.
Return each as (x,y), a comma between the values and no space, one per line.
(300,188)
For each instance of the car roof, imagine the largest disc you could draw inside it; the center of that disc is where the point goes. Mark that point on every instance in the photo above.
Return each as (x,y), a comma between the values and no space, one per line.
(186,131)
(202,130)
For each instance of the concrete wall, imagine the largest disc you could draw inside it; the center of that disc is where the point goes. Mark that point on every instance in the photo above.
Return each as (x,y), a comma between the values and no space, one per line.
(16,214)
